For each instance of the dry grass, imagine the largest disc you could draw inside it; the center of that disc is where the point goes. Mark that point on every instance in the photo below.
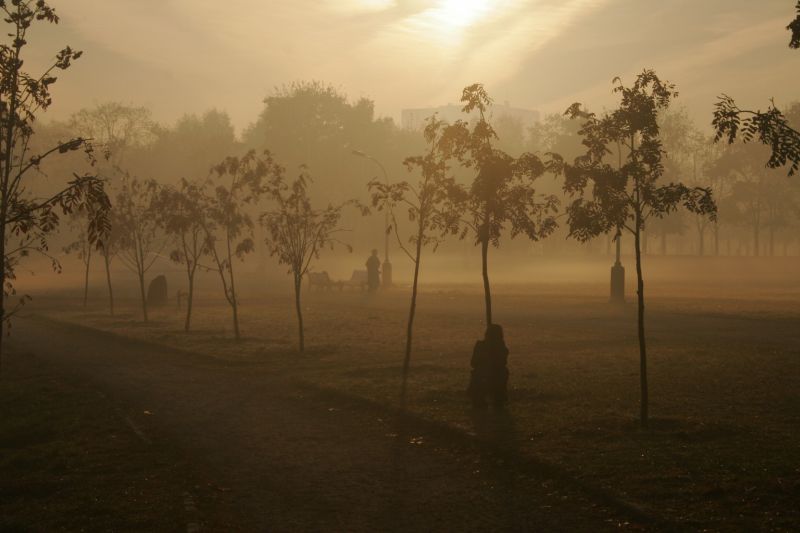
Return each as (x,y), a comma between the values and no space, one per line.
(723,447)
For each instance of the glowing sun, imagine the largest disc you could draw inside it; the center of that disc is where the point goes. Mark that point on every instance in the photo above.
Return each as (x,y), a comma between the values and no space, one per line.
(459,14)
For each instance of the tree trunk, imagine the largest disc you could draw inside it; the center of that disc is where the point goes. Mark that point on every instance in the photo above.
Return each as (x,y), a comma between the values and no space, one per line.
(410,327)
(2,292)
(701,240)
(107,262)
(144,296)
(716,238)
(771,241)
(487,291)
(664,243)
(298,285)
(642,344)
(756,242)
(189,300)
(234,303)
(86,277)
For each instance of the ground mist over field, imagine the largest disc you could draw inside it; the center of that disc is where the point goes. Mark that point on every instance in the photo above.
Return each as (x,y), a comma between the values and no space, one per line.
(731,277)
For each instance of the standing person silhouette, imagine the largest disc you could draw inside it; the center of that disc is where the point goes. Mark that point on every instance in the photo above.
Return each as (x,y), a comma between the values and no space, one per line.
(373,271)
(489,377)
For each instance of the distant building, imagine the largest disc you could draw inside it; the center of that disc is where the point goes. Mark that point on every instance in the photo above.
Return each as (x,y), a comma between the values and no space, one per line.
(414,119)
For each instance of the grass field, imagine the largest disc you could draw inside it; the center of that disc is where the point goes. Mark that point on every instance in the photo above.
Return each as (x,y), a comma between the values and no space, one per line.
(723,450)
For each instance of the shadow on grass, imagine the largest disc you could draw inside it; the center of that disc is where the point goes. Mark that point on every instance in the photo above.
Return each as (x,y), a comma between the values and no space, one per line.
(495,436)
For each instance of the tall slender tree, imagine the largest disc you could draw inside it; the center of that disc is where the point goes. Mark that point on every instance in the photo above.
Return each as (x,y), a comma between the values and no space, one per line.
(181,211)
(433,206)
(83,248)
(608,196)
(235,184)
(138,229)
(502,195)
(297,232)
(108,249)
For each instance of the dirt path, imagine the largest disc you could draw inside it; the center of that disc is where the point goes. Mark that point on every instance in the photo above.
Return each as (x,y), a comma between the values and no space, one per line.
(263,454)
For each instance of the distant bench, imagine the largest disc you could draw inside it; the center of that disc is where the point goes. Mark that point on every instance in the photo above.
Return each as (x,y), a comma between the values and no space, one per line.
(322,281)
(359,280)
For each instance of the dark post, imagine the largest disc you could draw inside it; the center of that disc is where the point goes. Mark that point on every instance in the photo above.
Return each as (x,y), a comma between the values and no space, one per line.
(386,267)
(618,276)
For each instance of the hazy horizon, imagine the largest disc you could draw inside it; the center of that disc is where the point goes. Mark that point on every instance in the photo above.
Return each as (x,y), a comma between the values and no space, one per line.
(415,53)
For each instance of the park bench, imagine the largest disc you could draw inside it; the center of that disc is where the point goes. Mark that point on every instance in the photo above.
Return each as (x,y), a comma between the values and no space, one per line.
(359,280)
(322,281)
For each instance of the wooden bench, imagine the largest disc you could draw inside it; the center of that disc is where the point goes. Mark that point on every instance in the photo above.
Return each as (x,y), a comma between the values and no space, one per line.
(359,280)
(322,281)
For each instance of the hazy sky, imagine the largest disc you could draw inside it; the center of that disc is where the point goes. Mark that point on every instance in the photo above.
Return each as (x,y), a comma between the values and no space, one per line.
(181,56)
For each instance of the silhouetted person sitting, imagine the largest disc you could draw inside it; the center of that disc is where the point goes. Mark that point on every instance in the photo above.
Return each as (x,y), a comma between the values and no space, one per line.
(373,271)
(489,378)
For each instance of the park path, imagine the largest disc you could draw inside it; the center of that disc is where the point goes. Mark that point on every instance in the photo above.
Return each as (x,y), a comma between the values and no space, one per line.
(262,454)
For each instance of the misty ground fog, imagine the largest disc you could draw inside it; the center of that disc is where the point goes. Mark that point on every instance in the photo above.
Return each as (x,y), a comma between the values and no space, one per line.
(389,265)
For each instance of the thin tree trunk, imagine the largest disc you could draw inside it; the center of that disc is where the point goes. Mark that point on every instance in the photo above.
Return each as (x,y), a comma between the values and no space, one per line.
(642,344)
(487,291)
(86,277)
(107,262)
(771,241)
(756,244)
(298,284)
(716,238)
(189,300)
(2,288)
(664,243)
(410,327)
(701,233)
(234,303)
(144,296)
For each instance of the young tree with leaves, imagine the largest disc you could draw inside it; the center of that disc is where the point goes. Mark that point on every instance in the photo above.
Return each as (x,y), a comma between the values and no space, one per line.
(502,195)
(236,183)
(296,232)
(433,207)
(27,221)
(137,224)
(181,211)
(610,196)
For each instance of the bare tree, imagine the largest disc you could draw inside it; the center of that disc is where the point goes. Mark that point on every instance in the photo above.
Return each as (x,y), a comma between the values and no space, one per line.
(137,225)
(296,232)
(108,249)
(114,128)
(26,221)
(83,248)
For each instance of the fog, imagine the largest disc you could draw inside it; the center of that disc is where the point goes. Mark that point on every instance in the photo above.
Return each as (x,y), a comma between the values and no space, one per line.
(399,265)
